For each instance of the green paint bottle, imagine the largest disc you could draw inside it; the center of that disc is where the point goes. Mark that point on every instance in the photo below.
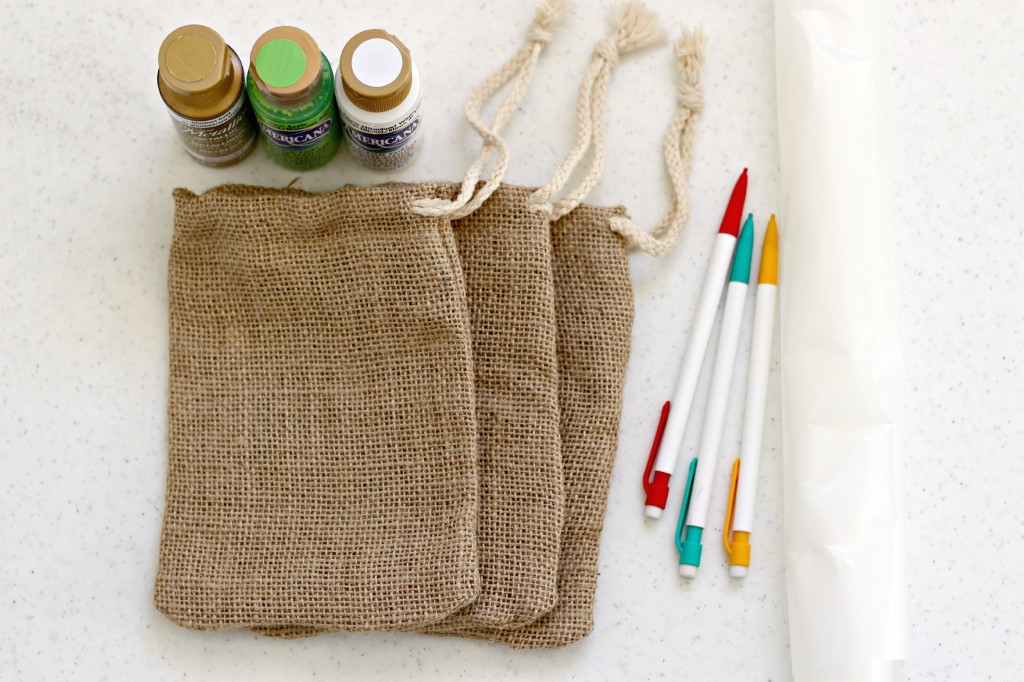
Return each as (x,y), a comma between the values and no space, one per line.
(291,89)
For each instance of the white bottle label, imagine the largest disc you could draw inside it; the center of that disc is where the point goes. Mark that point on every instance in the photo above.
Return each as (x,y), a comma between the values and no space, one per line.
(387,148)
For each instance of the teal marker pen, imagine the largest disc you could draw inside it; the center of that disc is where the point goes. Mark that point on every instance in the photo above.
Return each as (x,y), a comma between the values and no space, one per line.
(693,516)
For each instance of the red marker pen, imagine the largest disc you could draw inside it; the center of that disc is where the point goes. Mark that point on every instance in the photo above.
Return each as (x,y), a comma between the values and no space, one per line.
(662,460)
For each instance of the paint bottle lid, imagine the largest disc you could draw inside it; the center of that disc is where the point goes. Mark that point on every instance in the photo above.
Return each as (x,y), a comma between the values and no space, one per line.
(198,75)
(285,63)
(376,70)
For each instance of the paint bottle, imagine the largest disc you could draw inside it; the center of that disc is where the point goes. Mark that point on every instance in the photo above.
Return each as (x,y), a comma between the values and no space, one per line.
(202,83)
(380,100)
(291,88)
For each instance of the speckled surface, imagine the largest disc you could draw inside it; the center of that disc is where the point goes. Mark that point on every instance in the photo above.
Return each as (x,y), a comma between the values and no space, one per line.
(89,160)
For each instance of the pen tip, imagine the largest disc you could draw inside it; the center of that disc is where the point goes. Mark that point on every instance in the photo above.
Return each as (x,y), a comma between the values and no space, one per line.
(769,273)
(734,209)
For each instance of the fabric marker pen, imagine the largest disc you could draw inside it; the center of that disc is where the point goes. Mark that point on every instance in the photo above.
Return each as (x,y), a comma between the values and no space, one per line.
(675,413)
(698,498)
(743,492)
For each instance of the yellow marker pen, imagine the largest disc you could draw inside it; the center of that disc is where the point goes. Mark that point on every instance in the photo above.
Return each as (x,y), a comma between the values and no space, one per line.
(740,512)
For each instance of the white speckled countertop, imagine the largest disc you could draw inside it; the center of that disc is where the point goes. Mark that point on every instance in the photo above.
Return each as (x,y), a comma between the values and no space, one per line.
(89,160)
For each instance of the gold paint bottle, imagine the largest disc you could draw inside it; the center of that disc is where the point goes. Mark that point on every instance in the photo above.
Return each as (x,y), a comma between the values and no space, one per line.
(202,82)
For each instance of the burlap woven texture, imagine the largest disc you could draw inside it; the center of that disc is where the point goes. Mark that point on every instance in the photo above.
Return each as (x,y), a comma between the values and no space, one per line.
(593,298)
(322,433)
(594,319)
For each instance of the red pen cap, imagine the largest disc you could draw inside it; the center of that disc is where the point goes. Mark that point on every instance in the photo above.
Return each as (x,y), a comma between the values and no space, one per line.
(734,211)
(657,492)
(656,487)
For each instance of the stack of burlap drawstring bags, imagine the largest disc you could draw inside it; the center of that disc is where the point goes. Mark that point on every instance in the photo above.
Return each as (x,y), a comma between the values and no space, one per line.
(396,407)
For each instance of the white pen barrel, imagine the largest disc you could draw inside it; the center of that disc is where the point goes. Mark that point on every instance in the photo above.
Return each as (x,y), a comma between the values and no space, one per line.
(718,401)
(753,412)
(693,355)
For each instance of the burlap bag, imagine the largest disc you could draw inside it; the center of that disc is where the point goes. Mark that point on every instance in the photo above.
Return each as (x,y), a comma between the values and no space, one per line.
(322,433)
(594,315)
(505,250)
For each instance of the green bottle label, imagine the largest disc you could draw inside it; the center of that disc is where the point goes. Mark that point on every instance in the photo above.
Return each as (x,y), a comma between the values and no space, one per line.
(302,145)
(300,135)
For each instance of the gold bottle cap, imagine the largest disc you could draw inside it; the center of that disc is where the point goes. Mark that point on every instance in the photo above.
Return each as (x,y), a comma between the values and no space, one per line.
(376,70)
(197,73)
(285,63)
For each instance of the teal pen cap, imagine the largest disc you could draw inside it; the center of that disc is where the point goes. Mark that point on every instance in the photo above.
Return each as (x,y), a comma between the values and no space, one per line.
(688,540)
(691,550)
(744,252)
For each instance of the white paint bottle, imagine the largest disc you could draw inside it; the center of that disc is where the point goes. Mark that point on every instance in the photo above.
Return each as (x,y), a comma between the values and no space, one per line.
(380,100)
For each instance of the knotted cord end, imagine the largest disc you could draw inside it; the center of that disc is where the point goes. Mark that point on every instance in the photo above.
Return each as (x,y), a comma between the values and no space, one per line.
(549,13)
(689,48)
(636,26)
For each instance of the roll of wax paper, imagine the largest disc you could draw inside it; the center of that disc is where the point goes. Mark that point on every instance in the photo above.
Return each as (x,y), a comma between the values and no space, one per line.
(840,352)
